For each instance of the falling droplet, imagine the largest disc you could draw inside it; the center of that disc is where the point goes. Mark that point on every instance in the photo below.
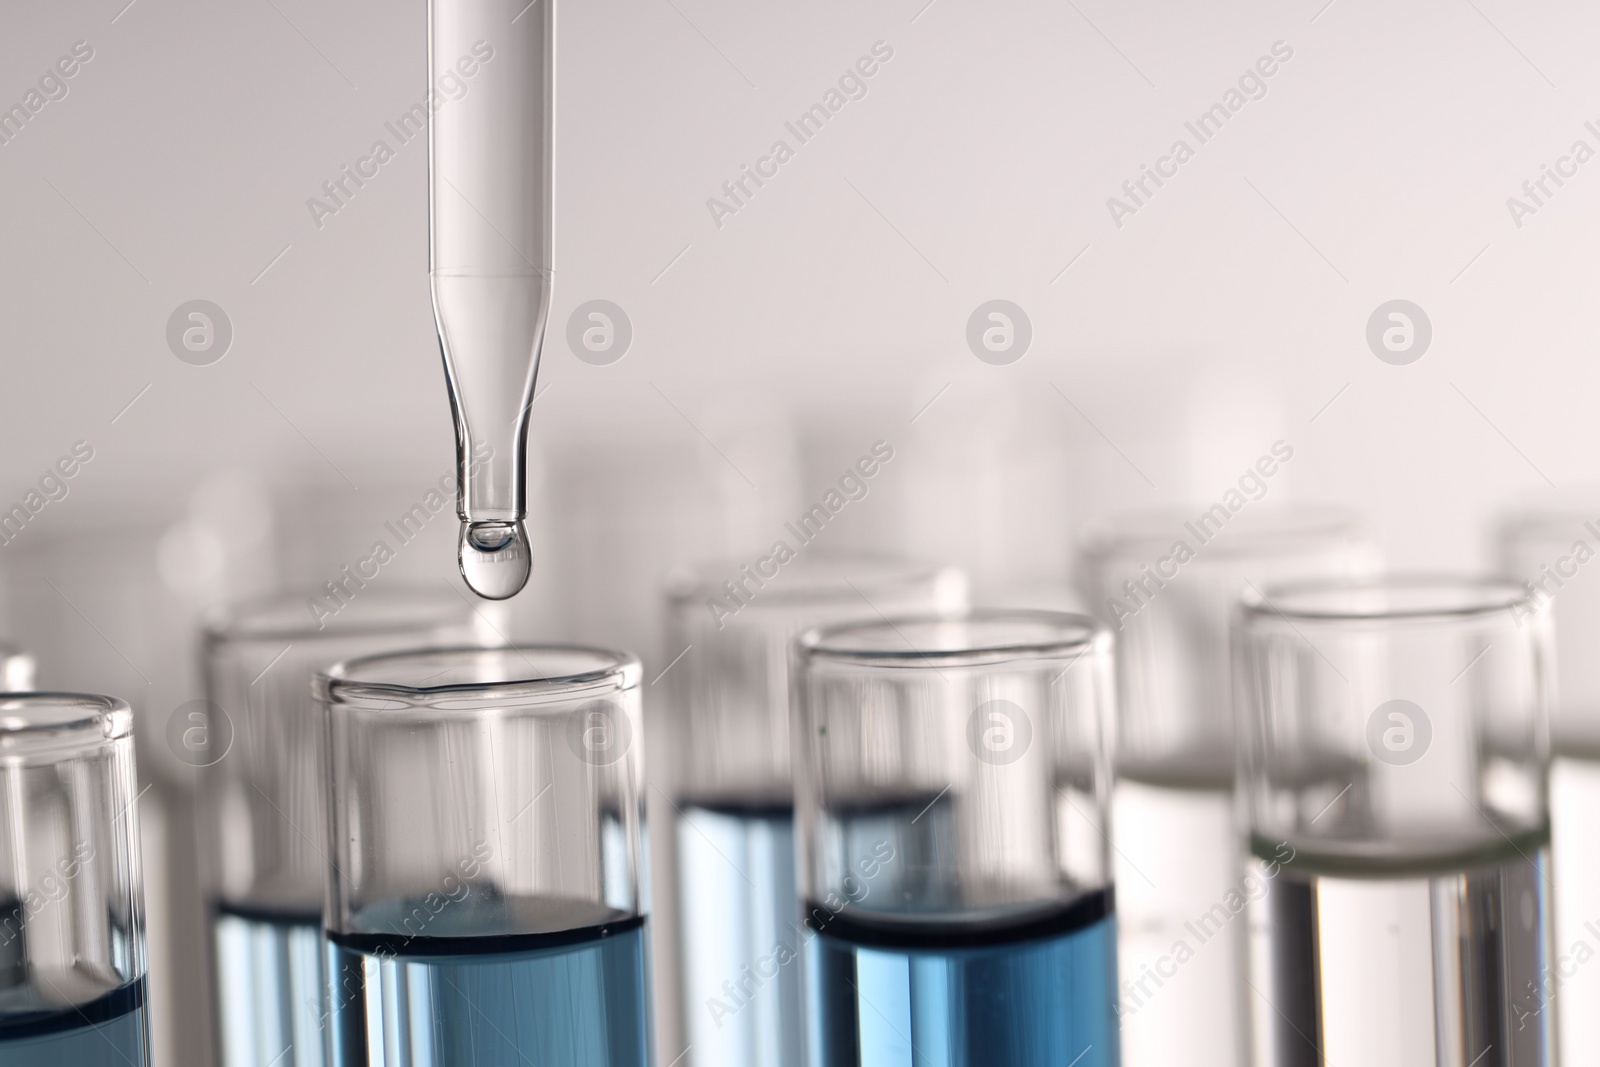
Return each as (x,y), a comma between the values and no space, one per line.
(495,558)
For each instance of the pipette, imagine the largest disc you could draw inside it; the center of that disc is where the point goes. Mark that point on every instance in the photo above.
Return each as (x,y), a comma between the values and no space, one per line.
(491,115)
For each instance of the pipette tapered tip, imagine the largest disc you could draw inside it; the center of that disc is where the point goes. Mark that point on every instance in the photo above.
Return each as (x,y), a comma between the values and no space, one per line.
(495,557)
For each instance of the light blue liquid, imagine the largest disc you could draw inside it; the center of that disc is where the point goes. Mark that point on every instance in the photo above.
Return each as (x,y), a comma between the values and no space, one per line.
(271,985)
(110,1031)
(573,999)
(888,993)
(740,918)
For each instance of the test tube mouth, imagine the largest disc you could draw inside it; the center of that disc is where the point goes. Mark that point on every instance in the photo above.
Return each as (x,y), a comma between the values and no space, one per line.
(981,637)
(473,678)
(1259,529)
(1543,518)
(368,612)
(816,579)
(43,727)
(1557,523)
(1412,598)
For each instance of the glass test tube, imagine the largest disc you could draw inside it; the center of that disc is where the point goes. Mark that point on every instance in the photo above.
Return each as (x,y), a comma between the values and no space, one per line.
(1394,750)
(263,813)
(1551,553)
(737,906)
(1166,586)
(486,894)
(72,954)
(952,783)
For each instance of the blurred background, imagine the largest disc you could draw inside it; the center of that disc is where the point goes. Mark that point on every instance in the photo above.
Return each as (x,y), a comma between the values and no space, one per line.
(1156,340)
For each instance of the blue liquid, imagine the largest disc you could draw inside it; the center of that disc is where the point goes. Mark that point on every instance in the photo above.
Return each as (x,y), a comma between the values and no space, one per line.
(901,993)
(578,998)
(740,921)
(109,1031)
(271,986)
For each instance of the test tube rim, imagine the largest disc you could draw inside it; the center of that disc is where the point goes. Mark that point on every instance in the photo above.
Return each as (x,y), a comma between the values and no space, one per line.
(106,721)
(1282,530)
(621,671)
(701,578)
(1490,596)
(236,624)
(1086,634)
(1540,522)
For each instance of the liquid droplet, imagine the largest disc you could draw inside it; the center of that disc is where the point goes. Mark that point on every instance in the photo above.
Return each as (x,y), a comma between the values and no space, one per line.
(495,558)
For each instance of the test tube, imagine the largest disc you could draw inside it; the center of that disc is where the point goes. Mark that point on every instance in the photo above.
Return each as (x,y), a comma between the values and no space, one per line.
(1166,584)
(952,782)
(1394,755)
(1552,553)
(485,897)
(263,813)
(737,906)
(72,953)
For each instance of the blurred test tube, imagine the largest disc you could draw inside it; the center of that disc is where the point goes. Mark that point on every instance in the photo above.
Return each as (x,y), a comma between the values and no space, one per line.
(1166,584)
(112,603)
(734,846)
(611,515)
(1552,553)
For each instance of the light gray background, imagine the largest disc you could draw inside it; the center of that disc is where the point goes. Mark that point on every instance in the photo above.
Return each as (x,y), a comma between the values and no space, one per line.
(1228,313)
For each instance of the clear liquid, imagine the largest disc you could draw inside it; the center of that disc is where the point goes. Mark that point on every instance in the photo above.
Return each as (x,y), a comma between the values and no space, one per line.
(110,1031)
(1378,963)
(888,993)
(495,558)
(1181,939)
(578,997)
(271,986)
(741,935)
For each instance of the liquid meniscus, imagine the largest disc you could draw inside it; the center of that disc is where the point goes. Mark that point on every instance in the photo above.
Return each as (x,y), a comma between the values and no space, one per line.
(574,997)
(110,1031)
(1037,993)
